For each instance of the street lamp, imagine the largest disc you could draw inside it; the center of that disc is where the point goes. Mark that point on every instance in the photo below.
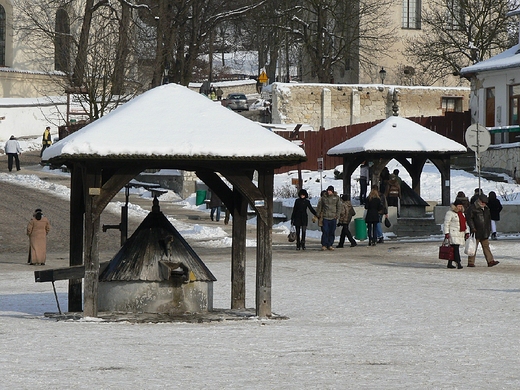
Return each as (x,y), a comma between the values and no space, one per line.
(382,75)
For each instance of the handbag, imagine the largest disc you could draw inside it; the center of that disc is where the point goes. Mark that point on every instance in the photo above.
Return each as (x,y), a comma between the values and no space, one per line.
(387,223)
(292,234)
(470,247)
(446,251)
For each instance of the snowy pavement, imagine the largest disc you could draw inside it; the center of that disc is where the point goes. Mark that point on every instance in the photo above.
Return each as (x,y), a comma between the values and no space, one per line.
(389,317)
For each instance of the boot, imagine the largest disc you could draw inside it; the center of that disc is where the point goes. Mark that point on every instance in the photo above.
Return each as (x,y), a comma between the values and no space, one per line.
(303,245)
(494,236)
(459,265)
(450,264)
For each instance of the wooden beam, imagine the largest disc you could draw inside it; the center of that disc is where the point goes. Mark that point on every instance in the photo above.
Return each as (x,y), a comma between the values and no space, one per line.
(243,183)
(112,186)
(92,225)
(238,252)
(264,249)
(77,212)
(216,184)
(69,273)
(443,164)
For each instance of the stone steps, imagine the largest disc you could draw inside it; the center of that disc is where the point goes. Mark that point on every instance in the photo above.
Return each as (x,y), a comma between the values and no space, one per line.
(416,227)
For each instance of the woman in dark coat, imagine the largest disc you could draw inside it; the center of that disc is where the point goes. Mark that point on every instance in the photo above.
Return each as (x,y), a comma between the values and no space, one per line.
(495,207)
(374,207)
(299,217)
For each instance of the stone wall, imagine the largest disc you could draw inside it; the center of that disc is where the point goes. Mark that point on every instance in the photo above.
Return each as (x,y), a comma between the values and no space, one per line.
(504,158)
(241,86)
(509,222)
(332,105)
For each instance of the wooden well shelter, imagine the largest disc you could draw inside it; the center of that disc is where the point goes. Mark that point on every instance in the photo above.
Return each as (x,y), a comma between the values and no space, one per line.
(405,141)
(171,127)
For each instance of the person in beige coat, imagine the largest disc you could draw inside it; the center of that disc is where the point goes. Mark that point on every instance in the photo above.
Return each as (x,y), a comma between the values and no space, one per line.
(456,230)
(37,230)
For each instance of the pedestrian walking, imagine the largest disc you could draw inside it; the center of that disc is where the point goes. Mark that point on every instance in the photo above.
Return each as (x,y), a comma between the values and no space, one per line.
(37,230)
(464,199)
(478,218)
(393,191)
(46,139)
(364,176)
(373,208)
(219,93)
(345,216)
(384,213)
(495,207)
(383,180)
(215,204)
(299,217)
(330,208)
(12,149)
(456,230)
(476,193)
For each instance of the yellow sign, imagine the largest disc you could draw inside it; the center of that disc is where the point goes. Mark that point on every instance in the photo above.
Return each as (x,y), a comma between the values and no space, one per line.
(263,77)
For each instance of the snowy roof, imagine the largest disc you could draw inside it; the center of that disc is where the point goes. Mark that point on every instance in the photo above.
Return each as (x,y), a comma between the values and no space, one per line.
(397,135)
(174,122)
(507,59)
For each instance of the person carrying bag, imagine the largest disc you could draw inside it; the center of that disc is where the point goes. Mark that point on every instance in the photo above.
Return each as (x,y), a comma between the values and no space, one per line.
(456,231)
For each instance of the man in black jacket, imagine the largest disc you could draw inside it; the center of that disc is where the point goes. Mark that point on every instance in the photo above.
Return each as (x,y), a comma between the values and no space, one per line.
(479,221)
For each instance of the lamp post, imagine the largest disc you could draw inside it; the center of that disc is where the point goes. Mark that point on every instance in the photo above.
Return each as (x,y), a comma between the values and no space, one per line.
(382,75)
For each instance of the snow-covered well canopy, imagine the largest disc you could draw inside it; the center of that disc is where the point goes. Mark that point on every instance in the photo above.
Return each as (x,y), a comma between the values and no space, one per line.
(171,122)
(400,136)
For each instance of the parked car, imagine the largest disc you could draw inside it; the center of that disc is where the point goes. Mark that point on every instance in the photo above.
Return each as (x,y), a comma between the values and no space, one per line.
(259,104)
(237,102)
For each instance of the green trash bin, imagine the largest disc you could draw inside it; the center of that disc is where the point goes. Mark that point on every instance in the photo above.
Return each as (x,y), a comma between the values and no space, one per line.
(361,229)
(201,197)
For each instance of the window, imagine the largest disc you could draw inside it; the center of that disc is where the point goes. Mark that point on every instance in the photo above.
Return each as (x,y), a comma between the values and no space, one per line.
(514,104)
(412,14)
(2,36)
(451,104)
(62,41)
(490,107)
(454,15)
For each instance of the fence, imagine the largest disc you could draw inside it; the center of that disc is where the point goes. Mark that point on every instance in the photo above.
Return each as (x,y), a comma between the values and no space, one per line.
(453,125)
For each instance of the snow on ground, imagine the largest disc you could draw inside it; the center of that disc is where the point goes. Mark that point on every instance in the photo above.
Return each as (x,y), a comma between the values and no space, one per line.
(395,319)
(399,320)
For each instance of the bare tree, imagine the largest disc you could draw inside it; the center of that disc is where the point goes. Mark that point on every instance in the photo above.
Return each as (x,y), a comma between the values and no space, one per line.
(94,57)
(458,33)
(185,29)
(339,35)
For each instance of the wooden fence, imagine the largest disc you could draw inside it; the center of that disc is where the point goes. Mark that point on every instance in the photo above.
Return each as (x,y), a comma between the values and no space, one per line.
(453,125)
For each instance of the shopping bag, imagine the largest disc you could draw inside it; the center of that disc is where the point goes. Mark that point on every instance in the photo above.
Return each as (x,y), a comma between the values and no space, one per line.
(446,251)
(292,234)
(387,223)
(470,248)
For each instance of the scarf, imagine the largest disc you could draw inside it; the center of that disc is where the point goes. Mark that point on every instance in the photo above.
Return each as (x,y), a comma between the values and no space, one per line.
(462,221)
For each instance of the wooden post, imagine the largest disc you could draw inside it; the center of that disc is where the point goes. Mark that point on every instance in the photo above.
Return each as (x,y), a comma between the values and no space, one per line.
(92,225)
(238,252)
(77,211)
(443,165)
(264,250)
